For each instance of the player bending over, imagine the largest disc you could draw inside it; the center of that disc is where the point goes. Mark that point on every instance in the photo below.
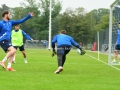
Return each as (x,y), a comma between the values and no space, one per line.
(64,44)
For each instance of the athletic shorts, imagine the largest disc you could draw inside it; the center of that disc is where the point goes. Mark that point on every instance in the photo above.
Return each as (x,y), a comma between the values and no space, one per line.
(63,49)
(5,44)
(117,47)
(21,48)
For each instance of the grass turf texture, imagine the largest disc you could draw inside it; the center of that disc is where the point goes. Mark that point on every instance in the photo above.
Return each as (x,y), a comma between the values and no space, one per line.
(80,73)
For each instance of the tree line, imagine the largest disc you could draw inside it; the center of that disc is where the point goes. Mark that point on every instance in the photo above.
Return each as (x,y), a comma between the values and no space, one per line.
(78,23)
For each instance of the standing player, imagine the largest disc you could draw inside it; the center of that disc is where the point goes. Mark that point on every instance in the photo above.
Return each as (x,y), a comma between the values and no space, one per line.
(17,40)
(5,34)
(80,44)
(117,47)
(64,44)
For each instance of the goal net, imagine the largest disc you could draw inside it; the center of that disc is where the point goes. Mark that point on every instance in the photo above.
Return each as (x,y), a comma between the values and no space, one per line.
(113,33)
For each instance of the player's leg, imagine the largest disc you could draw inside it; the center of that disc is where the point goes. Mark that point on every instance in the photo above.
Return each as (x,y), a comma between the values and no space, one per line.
(64,56)
(59,60)
(115,56)
(24,53)
(10,60)
(9,52)
(14,55)
(9,49)
(116,53)
(60,53)
(14,59)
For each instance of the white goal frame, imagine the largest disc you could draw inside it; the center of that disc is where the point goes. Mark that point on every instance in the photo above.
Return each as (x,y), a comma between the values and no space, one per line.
(113,5)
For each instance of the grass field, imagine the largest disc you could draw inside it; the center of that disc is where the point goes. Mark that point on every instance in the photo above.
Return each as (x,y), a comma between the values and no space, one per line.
(80,72)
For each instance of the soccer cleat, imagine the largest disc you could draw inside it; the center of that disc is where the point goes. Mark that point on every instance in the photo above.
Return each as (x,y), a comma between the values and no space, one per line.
(10,69)
(58,70)
(3,64)
(25,61)
(114,61)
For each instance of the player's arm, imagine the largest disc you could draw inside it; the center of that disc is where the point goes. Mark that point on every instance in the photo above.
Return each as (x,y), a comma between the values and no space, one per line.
(116,42)
(0,27)
(27,36)
(80,50)
(74,43)
(54,40)
(15,22)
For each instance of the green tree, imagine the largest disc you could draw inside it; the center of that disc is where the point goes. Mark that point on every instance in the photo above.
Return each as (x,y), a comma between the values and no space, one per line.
(40,23)
(98,14)
(3,7)
(77,23)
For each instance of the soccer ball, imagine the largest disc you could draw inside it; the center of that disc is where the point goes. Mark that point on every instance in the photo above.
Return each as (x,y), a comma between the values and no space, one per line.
(79,51)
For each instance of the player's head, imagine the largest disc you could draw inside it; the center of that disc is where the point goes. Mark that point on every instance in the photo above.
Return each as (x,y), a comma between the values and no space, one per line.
(80,43)
(119,25)
(63,32)
(6,14)
(17,27)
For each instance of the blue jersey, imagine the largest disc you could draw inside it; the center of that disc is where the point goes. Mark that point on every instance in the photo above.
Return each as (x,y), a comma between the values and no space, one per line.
(26,35)
(5,27)
(118,38)
(63,39)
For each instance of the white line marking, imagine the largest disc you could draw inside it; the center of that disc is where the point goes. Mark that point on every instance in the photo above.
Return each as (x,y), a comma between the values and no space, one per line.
(104,62)
(56,63)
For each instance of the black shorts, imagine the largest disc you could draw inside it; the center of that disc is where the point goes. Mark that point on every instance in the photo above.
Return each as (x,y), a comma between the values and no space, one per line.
(21,48)
(63,49)
(5,44)
(117,47)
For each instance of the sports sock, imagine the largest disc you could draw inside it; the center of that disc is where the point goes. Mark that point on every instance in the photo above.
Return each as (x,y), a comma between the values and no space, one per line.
(5,58)
(114,60)
(9,65)
(60,67)
(25,59)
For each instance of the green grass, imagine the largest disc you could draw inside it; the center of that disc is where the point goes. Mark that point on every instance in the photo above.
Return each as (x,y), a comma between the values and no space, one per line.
(80,73)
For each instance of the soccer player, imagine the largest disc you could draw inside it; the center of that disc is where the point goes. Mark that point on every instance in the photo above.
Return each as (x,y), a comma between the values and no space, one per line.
(64,44)
(80,44)
(5,35)
(17,40)
(117,46)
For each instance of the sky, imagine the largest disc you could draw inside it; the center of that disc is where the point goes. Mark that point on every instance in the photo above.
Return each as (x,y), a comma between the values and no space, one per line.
(87,4)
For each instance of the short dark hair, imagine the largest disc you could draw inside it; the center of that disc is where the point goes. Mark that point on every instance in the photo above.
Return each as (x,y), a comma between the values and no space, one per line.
(17,25)
(63,32)
(118,22)
(5,12)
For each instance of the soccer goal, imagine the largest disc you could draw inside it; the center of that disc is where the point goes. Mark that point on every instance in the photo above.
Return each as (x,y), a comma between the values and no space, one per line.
(114,19)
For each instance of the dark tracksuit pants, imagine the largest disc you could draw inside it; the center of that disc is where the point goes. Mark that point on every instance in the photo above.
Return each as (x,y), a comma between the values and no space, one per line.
(62,51)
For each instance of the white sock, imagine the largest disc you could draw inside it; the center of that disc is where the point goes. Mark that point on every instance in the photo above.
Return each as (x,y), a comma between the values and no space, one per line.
(114,60)
(25,59)
(5,58)
(9,65)
(14,59)
(60,66)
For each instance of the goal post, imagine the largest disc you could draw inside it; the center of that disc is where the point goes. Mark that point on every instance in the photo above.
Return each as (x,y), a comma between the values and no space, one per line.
(111,45)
